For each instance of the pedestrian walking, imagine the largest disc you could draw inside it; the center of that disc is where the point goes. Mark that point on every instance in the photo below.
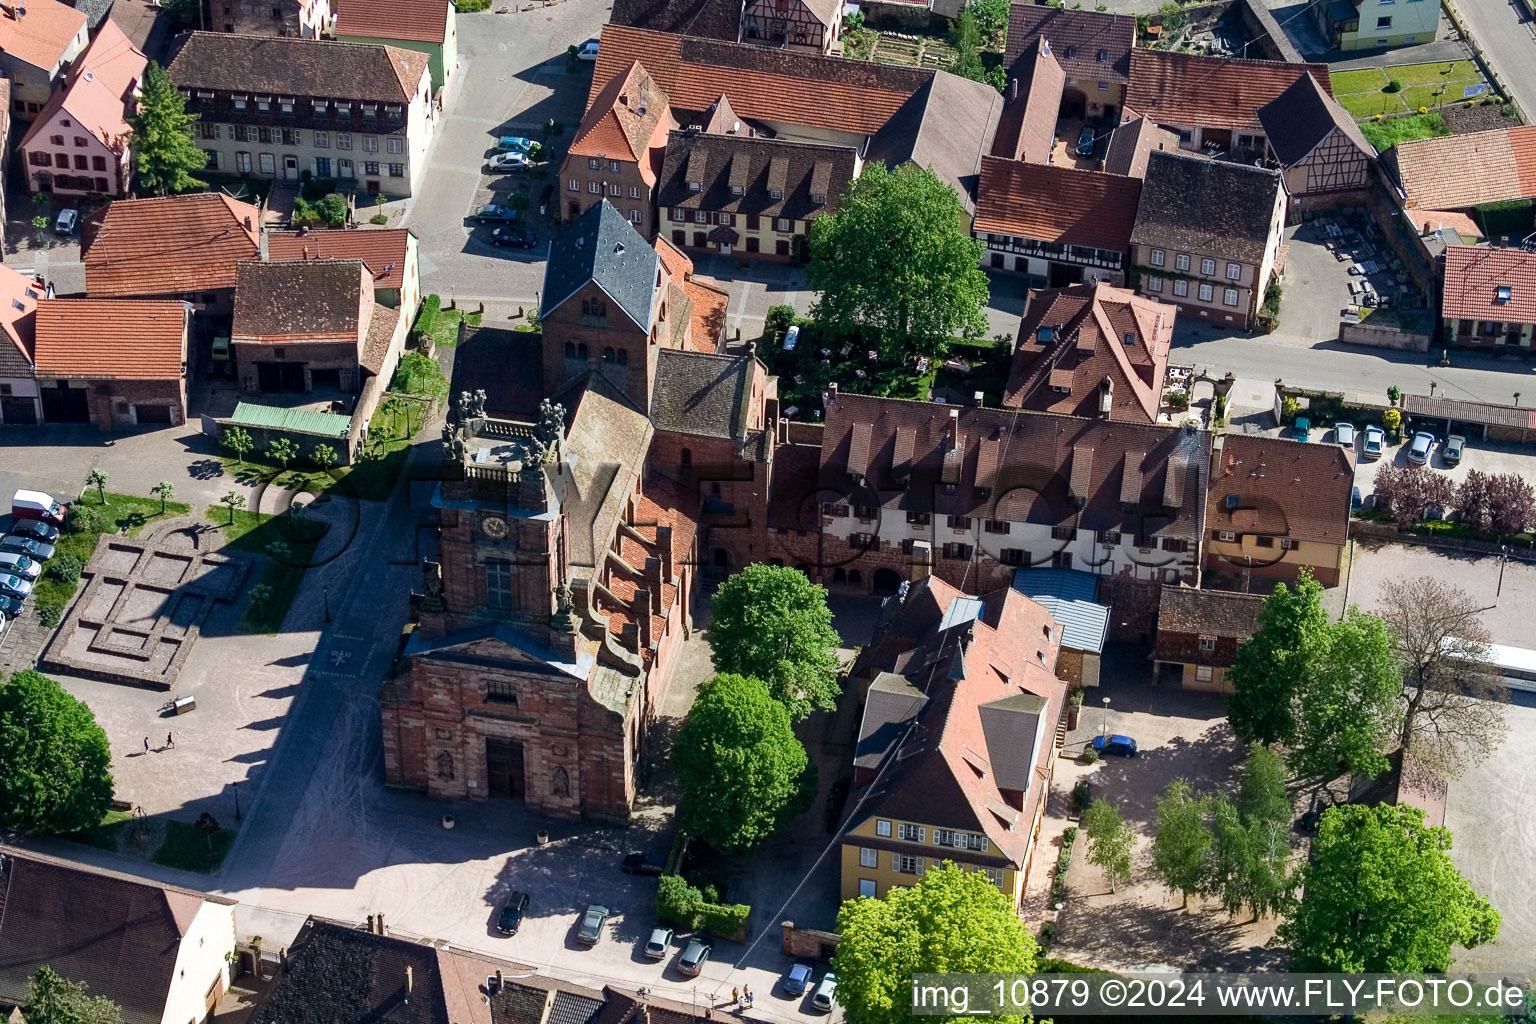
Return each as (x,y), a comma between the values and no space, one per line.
(146,744)
(749,1000)
(746,990)
(736,996)
(168,741)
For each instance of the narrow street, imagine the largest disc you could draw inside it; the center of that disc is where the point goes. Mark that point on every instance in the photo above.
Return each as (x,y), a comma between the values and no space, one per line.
(1505,32)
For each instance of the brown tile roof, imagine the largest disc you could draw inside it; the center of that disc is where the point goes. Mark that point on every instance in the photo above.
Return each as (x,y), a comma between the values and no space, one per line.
(1077,40)
(1208,612)
(168,245)
(1056,204)
(1473,277)
(1083,343)
(1299,119)
(335,973)
(99,95)
(708,19)
(118,936)
(291,66)
(798,171)
(627,121)
(422,21)
(1045,463)
(763,83)
(946,126)
(1211,92)
(1132,142)
(1205,206)
(1465,170)
(42,37)
(120,339)
(18,299)
(309,299)
(1027,128)
(382,322)
(384,250)
(1274,487)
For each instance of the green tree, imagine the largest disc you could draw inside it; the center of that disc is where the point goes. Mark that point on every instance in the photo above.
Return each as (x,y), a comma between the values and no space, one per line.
(1109,842)
(897,263)
(1261,794)
(1270,663)
(951,920)
(54,758)
(1380,894)
(741,770)
(40,226)
(1347,702)
(97,478)
(282,451)
(233,500)
(332,208)
(323,456)
(165,491)
(965,40)
(239,442)
(1181,850)
(1232,860)
(164,153)
(991,17)
(54,1000)
(772,623)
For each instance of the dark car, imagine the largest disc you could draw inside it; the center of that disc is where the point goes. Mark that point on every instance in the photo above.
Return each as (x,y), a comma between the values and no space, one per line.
(592,924)
(36,529)
(1085,142)
(491,213)
(1123,746)
(643,864)
(512,911)
(514,238)
(1452,449)
(694,955)
(798,977)
(9,607)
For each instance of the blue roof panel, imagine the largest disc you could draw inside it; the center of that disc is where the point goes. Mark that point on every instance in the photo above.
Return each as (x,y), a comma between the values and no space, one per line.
(1069,596)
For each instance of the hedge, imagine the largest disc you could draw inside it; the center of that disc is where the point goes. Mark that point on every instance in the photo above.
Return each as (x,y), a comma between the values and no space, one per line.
(680,904)
(427,318)
(1507,217)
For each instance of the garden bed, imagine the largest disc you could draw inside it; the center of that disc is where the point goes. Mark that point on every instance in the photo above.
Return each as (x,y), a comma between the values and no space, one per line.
(1367,92)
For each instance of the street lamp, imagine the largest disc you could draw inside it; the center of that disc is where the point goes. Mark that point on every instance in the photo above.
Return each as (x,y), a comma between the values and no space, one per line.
(1104,722)
(1503,558)
(237,800)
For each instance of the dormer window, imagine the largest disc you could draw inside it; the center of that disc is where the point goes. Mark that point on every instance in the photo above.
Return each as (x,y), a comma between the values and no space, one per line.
(1103,56)
(1130,338)
(1233,500)
(239,102)
(776,193)
(695,186)
(1071,52)
(737,190)
(1044,334)
(818,198)
(1502,294)
(264,105)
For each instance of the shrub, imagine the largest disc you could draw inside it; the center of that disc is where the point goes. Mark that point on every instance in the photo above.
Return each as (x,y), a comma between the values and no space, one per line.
(1080,797)
(471,6)
(1178,400)
(66,568)
(1289,407)
(379,218)
(1392,419)
(81,519)
(427,318)
(680,904)
(1393,86)
(1048,930)
(333,208)
(50,614)
(778,320)
(1090,755)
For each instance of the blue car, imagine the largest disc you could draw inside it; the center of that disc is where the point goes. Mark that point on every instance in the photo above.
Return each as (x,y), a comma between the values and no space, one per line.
(1122,746)
(514,144)
(798,978)
(1302,430)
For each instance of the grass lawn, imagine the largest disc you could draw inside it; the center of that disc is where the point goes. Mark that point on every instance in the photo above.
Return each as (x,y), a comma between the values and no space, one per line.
(445,331)
(1386,134)
(188,848)
(256,533)
(1362,105)
(1462,72)
(1423,85)
(1366,80)
(121,514)
(105,835)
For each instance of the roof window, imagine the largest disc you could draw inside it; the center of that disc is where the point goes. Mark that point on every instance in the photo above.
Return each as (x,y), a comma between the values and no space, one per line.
(1502,293)
(1130,338)
(694,186)
(1103,56)
(1071,52)
(1044,334)
(1233,500)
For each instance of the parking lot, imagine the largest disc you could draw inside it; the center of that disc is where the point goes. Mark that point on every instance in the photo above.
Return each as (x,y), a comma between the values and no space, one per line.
(1338,268)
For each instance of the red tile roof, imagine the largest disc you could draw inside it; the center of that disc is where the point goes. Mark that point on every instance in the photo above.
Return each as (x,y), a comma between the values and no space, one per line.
(768,84)
(117,339)
(99,95)
(1211,92)
(18,298)
(422,21)
(43,37)
(1027,128)
(384,251)
(168,245)
(1132,142)
(1465,170)
(1473,277)
(1087,327)
(1282,488)
(627,120)
(1056,204)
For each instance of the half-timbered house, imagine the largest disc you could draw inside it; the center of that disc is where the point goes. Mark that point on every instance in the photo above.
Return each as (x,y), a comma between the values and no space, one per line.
(1324,157)
(797,24)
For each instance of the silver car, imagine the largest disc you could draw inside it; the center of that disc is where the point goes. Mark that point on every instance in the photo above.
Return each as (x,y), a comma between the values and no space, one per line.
(19,565)
(33,549)
(15,586)
(1418,449)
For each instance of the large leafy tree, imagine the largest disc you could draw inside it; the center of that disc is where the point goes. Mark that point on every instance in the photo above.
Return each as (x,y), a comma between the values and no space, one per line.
(741,770)
(1347,703)
(1110,841)
(951,920)
(164,153)
(1381,895)
(1261,795)
(1181,850)
(1452,703)
(1270,663)
(897,265)
(54,760)
(55,1000)
(772,623)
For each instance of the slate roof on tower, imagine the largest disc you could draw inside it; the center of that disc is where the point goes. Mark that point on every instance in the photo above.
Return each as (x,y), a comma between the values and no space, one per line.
(602,246)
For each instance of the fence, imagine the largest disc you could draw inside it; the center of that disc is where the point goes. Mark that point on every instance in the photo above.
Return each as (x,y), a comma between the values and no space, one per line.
(1383,337)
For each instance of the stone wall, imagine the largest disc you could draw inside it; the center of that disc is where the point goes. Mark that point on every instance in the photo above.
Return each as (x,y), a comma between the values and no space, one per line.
(1383,337)
(810,943)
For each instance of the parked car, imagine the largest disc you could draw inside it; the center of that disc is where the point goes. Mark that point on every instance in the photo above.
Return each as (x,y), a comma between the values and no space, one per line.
(508,162)
(643,864)
(15,586)
(10,607)
(512,911)
(657,945)
(1451,450)
(514,144)
(1375,441)
(36,529)
(588,50)
(694,956)
(592,922)
(1085,142)
(37,505)
(1418,448)
(66,221)
(1122,746)
(1301,430)
(798,977)
(826,993)
(33,549)
(791,337)
(491,213)
(19,565)
(513,238)
(1344,434)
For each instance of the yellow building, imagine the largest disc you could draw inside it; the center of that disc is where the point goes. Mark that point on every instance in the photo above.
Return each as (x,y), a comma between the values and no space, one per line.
(957,752)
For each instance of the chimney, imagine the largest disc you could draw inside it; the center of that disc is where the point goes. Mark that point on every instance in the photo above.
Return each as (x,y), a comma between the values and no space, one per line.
(500,981)
(410,981)
(643,613)
(832,391)
(629,637)
(954,428)
(370,924)
(1013,89)
(979,398)
(664,545)
(382,930)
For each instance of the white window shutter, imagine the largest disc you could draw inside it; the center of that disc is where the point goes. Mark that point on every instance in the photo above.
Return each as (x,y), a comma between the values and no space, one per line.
(895,862)
(919,865)
(922,834)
